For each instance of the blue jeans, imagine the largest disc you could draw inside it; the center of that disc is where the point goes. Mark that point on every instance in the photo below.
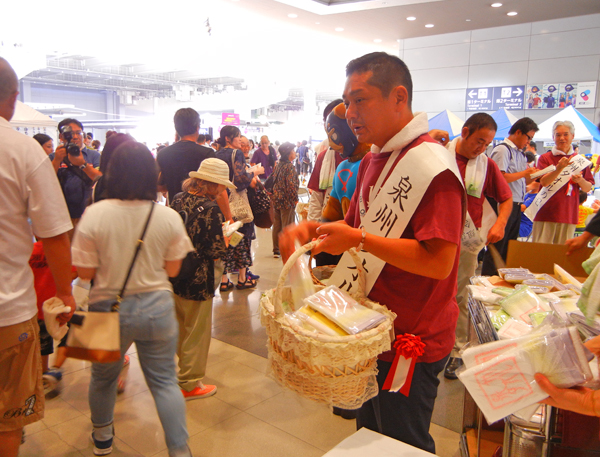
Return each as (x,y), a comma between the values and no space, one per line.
(147,319)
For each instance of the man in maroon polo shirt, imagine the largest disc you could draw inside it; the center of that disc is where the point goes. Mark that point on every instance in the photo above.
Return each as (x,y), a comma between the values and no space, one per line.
(418,278)
(555,221)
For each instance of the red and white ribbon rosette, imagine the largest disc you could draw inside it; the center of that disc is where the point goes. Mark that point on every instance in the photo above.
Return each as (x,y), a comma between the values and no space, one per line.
(408,349)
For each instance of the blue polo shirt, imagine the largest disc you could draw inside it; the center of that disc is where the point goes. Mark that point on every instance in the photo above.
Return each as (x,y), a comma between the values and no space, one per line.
(77,193)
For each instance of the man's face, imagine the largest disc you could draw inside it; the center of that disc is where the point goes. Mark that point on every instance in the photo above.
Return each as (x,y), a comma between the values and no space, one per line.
(264,143)
(77,135)
(368,112)
(563,138)
(245,146)
(473,145)
(522,139)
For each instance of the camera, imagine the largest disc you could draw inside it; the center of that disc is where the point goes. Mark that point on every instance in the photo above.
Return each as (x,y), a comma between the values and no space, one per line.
(72,148)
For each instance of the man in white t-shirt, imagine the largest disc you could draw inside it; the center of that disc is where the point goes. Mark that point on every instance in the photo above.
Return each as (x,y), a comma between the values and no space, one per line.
(30,192)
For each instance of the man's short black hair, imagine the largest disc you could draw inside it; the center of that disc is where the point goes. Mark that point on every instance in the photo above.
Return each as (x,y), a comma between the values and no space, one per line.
(201,138)
(523,125)
(530,156)
(480,121)
(582,197)
(90,135)
(187,121)
(132,173)
(209,137)
(388,72)
(69,121)
(329,108)
(304,142)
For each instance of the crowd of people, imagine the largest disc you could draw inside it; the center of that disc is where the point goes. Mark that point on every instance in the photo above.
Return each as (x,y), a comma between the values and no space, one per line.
(95,211)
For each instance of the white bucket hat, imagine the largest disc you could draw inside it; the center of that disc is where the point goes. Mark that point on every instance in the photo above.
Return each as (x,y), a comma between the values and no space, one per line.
(213,170)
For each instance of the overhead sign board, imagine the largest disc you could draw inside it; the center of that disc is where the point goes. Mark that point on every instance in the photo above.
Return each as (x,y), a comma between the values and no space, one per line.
(480,99)
(230,119)
(494,98)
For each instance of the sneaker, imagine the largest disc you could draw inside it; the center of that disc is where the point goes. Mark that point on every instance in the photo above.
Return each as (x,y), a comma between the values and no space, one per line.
(201,391)
(252,275)
(122,380)
(101,447)
(276,255)
(51,380)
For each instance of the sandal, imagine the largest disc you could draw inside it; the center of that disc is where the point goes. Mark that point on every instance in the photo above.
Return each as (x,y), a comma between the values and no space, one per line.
(226,286)
(248,284)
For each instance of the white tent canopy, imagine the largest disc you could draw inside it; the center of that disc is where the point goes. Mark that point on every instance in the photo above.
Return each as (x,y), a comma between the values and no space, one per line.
(29,121)
(584,128)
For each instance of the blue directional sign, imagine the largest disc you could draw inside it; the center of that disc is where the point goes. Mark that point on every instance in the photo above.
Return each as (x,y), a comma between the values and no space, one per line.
(480,99)
(494,98)
(509,97)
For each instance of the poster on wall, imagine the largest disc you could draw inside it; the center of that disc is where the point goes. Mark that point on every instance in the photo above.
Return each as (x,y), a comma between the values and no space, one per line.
(550,96)
(534,96)
(586,95)
(567,95)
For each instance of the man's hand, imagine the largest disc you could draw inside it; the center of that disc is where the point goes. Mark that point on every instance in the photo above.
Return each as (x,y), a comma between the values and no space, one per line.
(441,136)
(495,234)
(77,160)
(68,300)
(579,242)
(303,233)
(577,399)
(562,163)
(337,238)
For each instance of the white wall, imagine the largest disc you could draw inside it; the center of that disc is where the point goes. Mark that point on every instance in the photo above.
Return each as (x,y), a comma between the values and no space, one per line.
(557,51)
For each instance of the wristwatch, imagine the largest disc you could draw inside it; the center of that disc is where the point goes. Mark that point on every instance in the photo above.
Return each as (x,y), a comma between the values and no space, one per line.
(83,166)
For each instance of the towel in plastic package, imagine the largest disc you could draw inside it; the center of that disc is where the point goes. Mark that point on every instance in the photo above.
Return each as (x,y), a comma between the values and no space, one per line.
(484,294)
(504,271)
(535,289)
(345,311)
(518,278)
(500,375)
(523,302)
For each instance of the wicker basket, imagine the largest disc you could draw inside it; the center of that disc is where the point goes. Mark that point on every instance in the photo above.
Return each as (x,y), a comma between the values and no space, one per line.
(336,370)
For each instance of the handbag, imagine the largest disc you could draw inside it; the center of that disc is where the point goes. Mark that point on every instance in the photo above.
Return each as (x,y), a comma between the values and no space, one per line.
(238,201)
(95,336)
(261,205)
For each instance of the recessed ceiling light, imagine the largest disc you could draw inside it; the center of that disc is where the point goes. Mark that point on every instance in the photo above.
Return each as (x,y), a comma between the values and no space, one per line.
(429,26)
(377,40)
(496,5)
(339,29)
(292,16)
(317,23)
(512,13)
(468,20)
(411,18)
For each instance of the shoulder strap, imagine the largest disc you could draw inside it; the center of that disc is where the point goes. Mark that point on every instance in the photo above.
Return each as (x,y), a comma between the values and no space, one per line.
(115,307)
(507,146)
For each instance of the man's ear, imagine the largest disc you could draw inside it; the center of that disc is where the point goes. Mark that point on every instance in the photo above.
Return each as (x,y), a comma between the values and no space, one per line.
(464,133)
(400,95)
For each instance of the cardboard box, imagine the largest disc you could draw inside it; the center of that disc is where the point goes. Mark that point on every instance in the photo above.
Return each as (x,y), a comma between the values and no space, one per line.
(541,257)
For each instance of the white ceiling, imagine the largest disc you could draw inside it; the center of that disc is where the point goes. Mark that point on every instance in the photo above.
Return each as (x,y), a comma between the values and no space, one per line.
(250,40)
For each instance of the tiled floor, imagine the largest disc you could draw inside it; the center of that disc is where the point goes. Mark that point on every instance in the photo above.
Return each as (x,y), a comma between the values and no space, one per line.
(249,416)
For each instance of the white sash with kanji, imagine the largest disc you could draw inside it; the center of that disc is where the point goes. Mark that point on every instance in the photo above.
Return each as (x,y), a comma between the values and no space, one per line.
(577,164)
(392,205)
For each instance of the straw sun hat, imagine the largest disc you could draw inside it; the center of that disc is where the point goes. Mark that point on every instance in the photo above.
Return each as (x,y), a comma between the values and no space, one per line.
(213,170)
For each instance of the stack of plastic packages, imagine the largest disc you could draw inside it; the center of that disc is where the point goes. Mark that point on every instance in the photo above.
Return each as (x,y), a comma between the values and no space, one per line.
(500,375)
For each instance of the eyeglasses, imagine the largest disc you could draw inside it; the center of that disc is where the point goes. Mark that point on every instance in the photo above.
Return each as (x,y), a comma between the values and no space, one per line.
(76,132)
(529,137)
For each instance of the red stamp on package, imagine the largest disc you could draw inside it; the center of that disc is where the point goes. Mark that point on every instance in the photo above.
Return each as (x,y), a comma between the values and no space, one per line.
(503,383)
(489,355)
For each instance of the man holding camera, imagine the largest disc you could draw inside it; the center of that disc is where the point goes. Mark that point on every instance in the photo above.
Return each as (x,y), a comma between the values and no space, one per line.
(76,167)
